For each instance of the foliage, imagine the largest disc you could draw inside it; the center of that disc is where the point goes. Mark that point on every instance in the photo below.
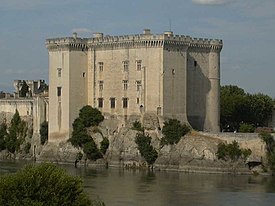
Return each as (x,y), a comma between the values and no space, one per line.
(91,150)
(79,156)
(104,145)
(246,128)
(173,130)
(268,139)
(24,90)
(232,151)
(90,116)
(3,136)
(239,107)
(44,132)
(137,126)
(146,149)
(17,133)
(27,148)
(44,184)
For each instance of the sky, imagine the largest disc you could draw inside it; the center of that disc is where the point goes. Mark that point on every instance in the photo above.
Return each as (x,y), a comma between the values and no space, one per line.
(247,28)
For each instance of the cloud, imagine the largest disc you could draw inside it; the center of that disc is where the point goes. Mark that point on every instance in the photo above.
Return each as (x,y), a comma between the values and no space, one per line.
(212,2)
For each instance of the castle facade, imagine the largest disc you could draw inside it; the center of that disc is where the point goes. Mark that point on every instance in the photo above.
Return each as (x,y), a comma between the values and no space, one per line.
(173,76)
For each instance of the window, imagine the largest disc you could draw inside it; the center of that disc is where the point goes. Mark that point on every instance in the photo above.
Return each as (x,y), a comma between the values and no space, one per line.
(125,102)
(126,66)
(113,102)
(125,84)
(137,100)
(100,65)
(138,65)
(100,102)
(101,85)
(59,72)
(195,63)
(58,91)
(83,74)
(138,83)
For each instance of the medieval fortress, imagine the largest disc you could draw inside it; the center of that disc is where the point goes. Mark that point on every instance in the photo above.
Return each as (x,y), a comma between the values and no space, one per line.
(172,76)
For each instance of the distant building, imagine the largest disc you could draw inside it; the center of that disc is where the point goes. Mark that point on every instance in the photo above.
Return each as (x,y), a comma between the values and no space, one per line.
(173,76)
(34,87)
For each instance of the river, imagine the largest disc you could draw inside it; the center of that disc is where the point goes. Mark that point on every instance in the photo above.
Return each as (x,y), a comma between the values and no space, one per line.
(127,187)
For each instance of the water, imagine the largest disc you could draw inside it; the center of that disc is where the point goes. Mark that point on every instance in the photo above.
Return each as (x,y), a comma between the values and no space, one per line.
(127,187)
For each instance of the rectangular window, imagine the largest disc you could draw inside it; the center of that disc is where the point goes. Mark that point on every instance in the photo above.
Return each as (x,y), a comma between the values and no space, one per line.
(59,72)
(125,102)
(100,102)
(138,65)
(137,100)
(113,102)
(59,91)
(138,83)
(126,66)
(100,65)
(101,85)
(195,63)
(125,84)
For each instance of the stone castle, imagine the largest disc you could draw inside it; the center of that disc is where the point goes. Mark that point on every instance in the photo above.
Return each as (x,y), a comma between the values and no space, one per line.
(172,76)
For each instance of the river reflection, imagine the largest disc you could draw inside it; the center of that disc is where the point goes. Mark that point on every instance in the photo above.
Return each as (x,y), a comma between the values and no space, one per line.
(128,187)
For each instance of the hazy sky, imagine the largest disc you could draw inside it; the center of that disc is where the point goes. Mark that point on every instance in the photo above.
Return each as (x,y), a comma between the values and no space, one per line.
(247,28)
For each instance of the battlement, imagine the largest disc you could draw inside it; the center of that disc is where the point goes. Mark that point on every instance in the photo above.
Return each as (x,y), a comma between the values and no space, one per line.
(145,39)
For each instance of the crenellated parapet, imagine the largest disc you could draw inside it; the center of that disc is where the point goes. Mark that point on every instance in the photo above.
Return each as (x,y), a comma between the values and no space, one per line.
(133,41)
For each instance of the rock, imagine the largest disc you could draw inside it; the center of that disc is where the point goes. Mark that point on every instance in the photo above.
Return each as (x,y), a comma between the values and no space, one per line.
(150,121)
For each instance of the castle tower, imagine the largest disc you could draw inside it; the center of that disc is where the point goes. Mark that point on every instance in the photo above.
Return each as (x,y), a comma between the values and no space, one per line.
(67,84)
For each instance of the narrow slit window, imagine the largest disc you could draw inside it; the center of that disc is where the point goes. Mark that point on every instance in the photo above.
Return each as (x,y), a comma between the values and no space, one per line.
(113,102)
(125,102)
(100,102)
(59,91)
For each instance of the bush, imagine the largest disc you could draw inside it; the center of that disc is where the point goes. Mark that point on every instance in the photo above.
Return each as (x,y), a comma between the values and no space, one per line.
(173,130)
(27,148)
(90,116)
(146,149)
(137,126)
(43,132)
(268,139)
(232,151)
(104,145)
(91,150)
(3,136)
(43,184)
(246,128)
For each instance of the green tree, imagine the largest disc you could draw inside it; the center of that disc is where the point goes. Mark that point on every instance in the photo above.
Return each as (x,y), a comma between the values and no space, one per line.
(13,140)
(90,116)
(24,90)
(43,132)
(104,145)
(91,150)
(232,151)
(3,136)
(173,130)
(246,128)
(269,141)
(137,126)
(43,184)
(146,149)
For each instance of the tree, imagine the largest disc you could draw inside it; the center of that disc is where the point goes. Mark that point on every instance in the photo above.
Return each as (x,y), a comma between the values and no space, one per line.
(24,89)
(43,132)
(90,116)
(43,184)
(104,145)
(173,130)
(3,136)
(269,141)
(238,107)
(146,149)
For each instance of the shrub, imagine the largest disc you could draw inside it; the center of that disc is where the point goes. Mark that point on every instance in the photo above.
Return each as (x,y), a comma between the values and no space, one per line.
(173,130)
(268,139)
(90,116)
(43,132)
(3,136)
(104,145)
(43,184)
(232,151)
(246,128)
(137,126)
(91,150)
(27,148)
(146,149)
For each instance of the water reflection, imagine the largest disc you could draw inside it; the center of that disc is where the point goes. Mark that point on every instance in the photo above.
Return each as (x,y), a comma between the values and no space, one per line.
(133,187)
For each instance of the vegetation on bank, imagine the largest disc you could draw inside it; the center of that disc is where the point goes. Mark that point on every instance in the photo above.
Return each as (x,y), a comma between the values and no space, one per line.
(14,137)
(43,132)
(241,111)
(88,117)
(268,139)
(232,152)
(43,184)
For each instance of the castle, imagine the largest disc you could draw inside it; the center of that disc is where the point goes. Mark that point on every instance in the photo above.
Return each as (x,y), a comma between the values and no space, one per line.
(173,76)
